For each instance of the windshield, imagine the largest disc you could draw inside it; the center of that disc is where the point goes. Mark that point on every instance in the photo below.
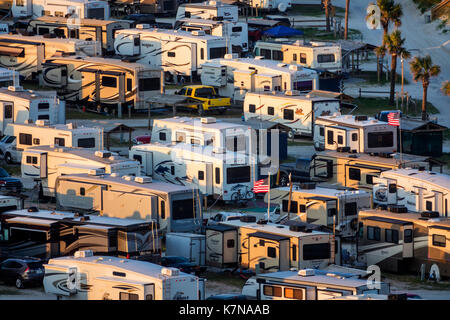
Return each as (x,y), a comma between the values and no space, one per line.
(3,173)
(205,93)
(8,139)
(238,174)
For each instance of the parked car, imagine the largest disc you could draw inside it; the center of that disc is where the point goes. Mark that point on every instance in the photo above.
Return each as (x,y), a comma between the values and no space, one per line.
(22,271)
(9,183)
(5,145)
(182,263)
(224,216)
(227,296)
(141,139)
(207,97)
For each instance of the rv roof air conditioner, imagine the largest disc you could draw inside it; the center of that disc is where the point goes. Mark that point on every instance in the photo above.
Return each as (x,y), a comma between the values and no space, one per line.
(170,272)
(143,179)
(127,178)
(28,121)
(306,272)
(114,174)
(71,126)
(143,26)
(198,33)
(230,56)
(95,172)
(292,93)
(103,154)
(262,221)
(84,254)
(208,120)
(293,67)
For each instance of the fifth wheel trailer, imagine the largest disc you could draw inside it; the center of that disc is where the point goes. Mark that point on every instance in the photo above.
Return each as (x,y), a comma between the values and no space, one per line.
(208,10)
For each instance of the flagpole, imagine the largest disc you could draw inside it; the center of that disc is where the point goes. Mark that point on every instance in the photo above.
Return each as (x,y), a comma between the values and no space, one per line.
(400,132)
(268,202)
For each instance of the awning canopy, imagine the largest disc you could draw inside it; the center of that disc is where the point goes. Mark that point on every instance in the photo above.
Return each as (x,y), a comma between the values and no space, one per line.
(282,31)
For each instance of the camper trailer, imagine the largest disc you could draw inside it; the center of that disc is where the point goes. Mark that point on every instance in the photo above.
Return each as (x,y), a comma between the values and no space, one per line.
(208,10)
(99,81)
(271,5)
(234,76)
(46,234)
(292,109)
(8,203)
(399,241)
(178,52)
(361,134)
(102,31)
(225,176)
(322,206)
(315,55)
(46,163)
(41,133)
(22,56)
(418,190)
(270,247)
(111,278)
(221,246)
(18,105)
(309,284)
(235,33)
(174,207)
(61,8)
(357,170)
(8,77)
(188,245)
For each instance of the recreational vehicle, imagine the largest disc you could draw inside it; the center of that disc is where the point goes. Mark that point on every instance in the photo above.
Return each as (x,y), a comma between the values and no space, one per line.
(188,245)
(41,134)
(309,284)
(8,77)
(399,241)
(270,247)
(315,55)
(323,206)
(225,176)
(22,56)
(208,10)
(102,31)
(157,7)
(357,170)
(111,278)
(235,76)
(418,190)
(99,81)
(61,8)
(271,5)
(361,134)
(18,105)
(177,52)
(8,203)
(47,163)
(235,33)
(46,234)
(221,246)
(292,109)
(174,207)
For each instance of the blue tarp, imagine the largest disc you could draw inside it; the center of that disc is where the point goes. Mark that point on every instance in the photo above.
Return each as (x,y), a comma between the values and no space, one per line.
(282,31)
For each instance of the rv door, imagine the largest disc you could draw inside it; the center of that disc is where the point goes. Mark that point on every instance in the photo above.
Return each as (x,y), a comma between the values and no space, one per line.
(6,115)
(408,241)
(43,165)
(149,292)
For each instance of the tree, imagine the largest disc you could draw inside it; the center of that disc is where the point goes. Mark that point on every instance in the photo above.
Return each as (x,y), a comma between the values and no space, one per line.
(347,9)
(327,6)
(423,69)
(394,45)
(446,88)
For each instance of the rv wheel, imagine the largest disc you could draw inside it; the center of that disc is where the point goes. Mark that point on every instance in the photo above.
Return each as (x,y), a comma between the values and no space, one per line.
(19,283)
(8,158)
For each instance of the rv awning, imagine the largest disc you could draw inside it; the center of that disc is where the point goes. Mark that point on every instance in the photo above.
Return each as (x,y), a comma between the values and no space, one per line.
(31,221)
(116,280)
(12,51)
(318,198)
(221,228)
(268,236)
(110,73)
(365,166)
(388,220)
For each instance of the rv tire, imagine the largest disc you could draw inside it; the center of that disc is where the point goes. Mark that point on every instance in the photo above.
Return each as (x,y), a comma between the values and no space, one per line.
(8,158)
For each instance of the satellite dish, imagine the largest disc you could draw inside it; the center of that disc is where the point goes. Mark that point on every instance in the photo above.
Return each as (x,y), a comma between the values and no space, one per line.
(282,7)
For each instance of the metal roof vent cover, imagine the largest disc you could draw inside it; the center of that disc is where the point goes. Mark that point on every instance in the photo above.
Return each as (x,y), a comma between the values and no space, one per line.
(84,254)
(306,272)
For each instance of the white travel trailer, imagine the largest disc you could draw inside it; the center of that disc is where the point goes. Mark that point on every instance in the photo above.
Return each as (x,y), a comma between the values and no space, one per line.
(47,163)
(225,176)
(208,10)
(292,109)
(100,81)
(174,207)
(18,105)
(360,134)
(235,33)
(316,55)
(309,284)
(189,245)
(102,31)
(418,190)
(178,52)
(60,8)
(41,133)
(234,76)
(88,277)
(271,5)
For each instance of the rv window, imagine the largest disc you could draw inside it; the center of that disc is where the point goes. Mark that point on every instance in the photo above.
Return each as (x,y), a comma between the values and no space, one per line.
(251,108)
(162,136)
(128,296)
(407,236)
(380,139)
(8,111)
(217,52)
(202,54)
(354,174)
(331,212)
(204,93)
(129,85)
(429,205)
(217,175)
(18,235)
(230,243)
(271,252)
(294,206)
(171,54)
(391,236)
(59,14)
(302,57)
(45,13)
(82,191)
(42,31)
(149,84)
(86,143)
(201,175)
(266,88)
(187,14)
(119,274)
(294,252)
(25,139)
(354,137)
(43,106)
(302,208)
(277,55)
(60,142)
(392,188)
(73,33)
(262,242)
(294,57)
(316,251)
(32,160)
(236,29)
(270,111)
(162,208)
(321,131)
(183,209)
(44,117)
(238,175)
(172,170)
(272,291)
(361,230)
(291,293)
(288,114)
(373,233)
(369,179)
(350,209)
(267,54)
(110,82)
(330,137)
(439,240)
(340,139)
(323,58)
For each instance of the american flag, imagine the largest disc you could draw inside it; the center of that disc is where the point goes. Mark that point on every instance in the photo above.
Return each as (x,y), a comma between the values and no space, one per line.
(261,186)
(394,119)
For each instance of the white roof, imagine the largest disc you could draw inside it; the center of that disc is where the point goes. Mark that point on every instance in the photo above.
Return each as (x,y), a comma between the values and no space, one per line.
(296,97)
(439,180)
(196,124)
(100,62)
(326,192)
(208,5)
(43,39)
(349,120)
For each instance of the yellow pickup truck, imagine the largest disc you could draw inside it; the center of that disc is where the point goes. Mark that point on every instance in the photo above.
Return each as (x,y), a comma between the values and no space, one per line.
(207,96)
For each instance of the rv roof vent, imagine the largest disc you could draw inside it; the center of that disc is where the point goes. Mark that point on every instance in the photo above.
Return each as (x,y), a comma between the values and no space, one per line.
(259,58)
(84,254)
(127,178)
(15,88)
(293,67)
(281,65)
(308,185)
(208,120)
(360,118)
(430,214)
(262,221)
(397,208)
(198,33)
(114,157)
(317,44)
(292,93)
(306,272)
(143,179)
(343,149)
(143,26)
(170,272)
(103,154)
(296,228)
(230,56)
(248,219)
(42,123)
(33,209)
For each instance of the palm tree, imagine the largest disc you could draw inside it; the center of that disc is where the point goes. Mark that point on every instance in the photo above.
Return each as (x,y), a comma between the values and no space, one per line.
(446,88)
(423,69)
(327,6)
(347,9)
(394,45)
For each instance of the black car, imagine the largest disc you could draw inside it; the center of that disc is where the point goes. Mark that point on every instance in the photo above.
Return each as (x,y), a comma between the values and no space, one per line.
(9,183)
(227,296)
(22,271)
(182,263)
